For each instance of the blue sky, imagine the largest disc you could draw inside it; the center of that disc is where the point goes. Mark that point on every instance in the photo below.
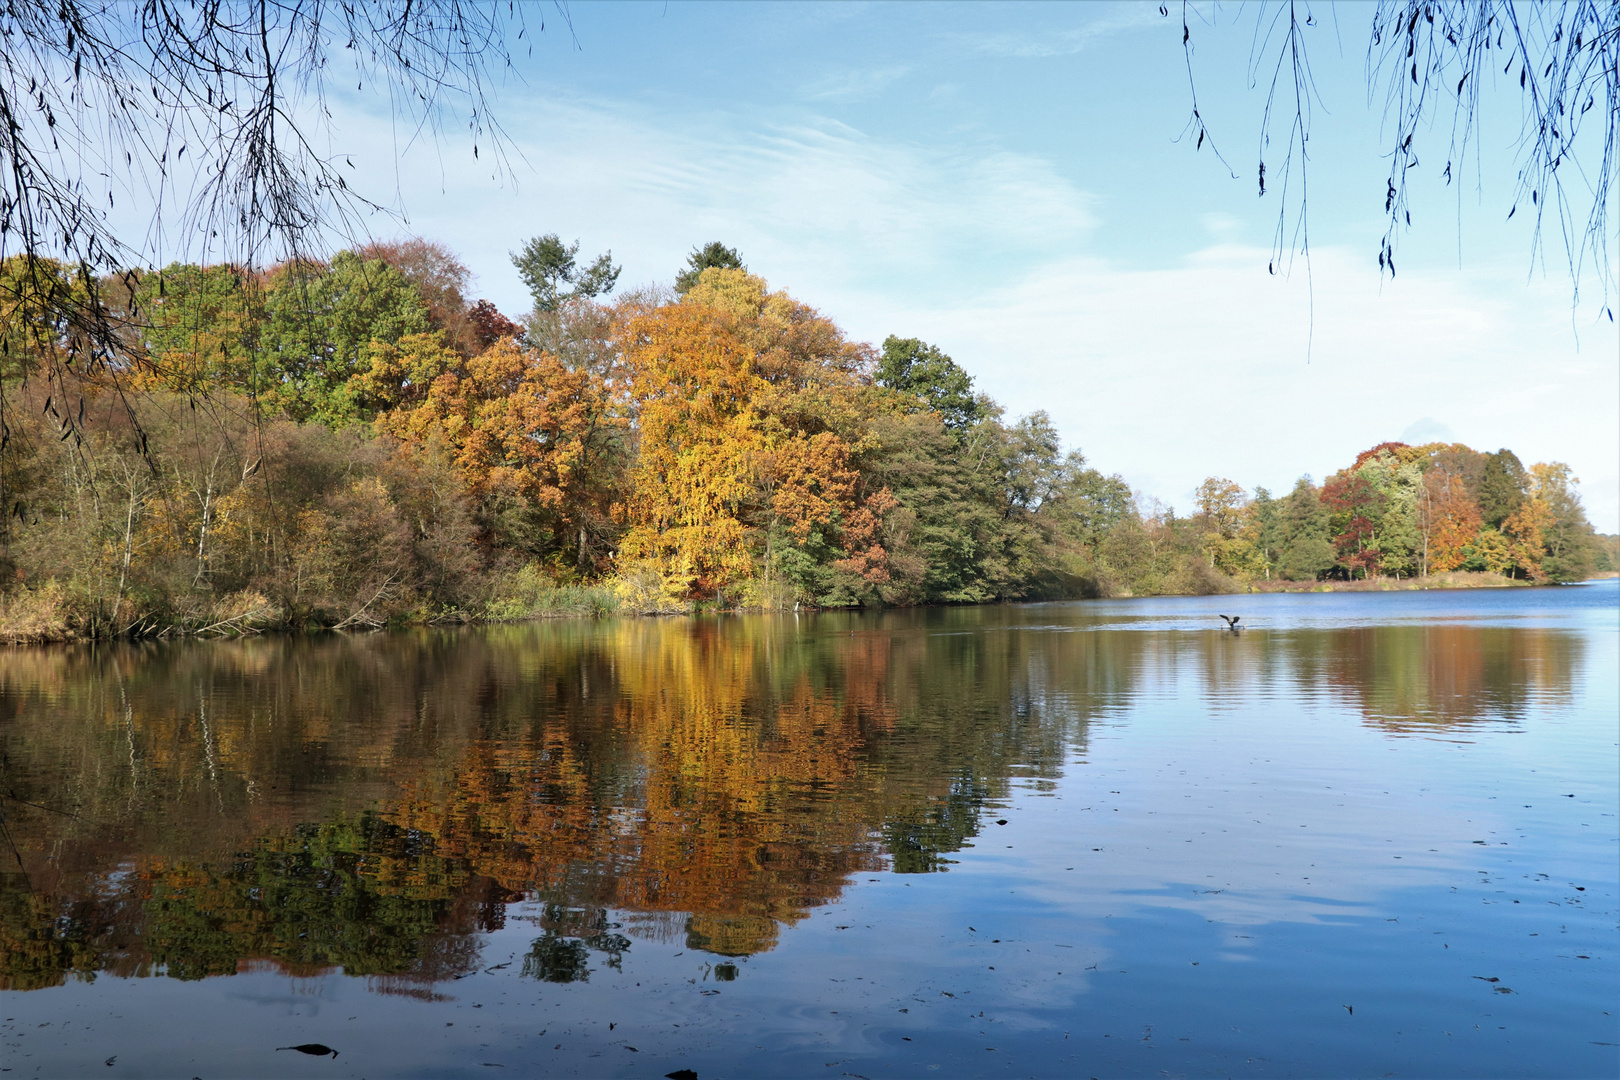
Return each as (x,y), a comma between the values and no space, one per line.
(1010,183)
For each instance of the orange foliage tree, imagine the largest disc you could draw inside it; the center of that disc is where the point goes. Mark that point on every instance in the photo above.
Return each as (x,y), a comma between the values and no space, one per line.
(1452,517)
(516,424)
(745,401)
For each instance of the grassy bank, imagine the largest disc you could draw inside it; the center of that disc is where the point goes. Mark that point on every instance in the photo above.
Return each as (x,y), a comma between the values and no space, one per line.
(1457,579)
(51,613)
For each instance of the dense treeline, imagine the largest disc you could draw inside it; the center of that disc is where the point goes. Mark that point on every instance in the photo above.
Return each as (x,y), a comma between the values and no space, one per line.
(352,441)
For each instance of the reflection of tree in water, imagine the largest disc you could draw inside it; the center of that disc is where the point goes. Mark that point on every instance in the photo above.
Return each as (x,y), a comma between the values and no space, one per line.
(370,804)
(558,959)
(561,954)
(1437,678)
(345,896)
(917,844)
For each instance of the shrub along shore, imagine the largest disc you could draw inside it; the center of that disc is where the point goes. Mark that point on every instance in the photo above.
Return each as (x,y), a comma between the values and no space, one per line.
(351,443)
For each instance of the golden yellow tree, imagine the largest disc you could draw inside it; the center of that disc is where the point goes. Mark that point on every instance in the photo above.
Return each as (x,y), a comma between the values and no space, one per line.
(1526,530)
(743,398)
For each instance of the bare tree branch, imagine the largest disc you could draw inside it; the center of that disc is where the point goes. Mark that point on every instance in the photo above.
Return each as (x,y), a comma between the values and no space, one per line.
(1426,55)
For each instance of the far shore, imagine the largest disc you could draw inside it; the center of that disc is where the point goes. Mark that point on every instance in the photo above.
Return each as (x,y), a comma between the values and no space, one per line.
(1461,579)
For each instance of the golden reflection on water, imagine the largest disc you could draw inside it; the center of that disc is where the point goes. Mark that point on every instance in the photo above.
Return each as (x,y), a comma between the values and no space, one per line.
(372,803)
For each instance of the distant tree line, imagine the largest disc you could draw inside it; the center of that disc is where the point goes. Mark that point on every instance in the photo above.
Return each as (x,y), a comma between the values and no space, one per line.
(352,441)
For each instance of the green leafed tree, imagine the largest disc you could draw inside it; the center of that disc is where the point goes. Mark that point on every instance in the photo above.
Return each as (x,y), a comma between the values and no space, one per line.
(551,270)
(320,323)
(1304,541)
(1502,487)
(923,370)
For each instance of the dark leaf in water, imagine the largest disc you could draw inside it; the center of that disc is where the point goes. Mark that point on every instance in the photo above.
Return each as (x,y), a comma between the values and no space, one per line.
(1487,978)
(318,1049)
(681,1074)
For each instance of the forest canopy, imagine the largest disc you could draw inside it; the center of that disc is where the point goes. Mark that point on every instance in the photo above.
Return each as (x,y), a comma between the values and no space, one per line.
(352,441)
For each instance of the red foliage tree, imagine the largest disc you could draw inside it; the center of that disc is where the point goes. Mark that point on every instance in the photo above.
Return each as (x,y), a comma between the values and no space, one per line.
(486,325)
(1355,508)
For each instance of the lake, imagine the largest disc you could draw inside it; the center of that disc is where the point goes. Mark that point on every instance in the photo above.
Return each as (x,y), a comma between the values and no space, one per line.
(1373,834)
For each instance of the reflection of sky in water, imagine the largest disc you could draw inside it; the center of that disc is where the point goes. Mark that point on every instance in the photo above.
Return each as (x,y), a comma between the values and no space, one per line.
(1306,849)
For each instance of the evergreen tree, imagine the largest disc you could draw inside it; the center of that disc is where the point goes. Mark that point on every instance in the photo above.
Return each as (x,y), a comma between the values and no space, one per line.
(1502,487)
(548,267)
(712,255)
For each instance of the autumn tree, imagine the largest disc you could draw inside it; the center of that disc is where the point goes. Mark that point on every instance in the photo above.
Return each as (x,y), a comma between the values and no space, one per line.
(741,396)
(218,148)
(486,325)
(440,279)
(539,444)
(1451,519)
(1356,507)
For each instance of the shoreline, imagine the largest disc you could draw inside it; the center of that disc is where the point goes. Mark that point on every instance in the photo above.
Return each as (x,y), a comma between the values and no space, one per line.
(588,603)
(1453,580)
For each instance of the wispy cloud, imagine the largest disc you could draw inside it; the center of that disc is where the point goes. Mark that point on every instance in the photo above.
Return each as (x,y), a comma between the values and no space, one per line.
(810,202)
(853,84)
(1116,18)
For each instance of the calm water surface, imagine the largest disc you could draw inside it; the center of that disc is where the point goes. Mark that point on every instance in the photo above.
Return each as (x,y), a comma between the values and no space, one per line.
(1374,835)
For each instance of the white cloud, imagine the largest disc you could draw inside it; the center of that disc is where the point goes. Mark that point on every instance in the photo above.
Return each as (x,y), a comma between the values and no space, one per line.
(1427,430)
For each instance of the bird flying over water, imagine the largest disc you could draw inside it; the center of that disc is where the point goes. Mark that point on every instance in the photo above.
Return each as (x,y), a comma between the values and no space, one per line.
(1232,622)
